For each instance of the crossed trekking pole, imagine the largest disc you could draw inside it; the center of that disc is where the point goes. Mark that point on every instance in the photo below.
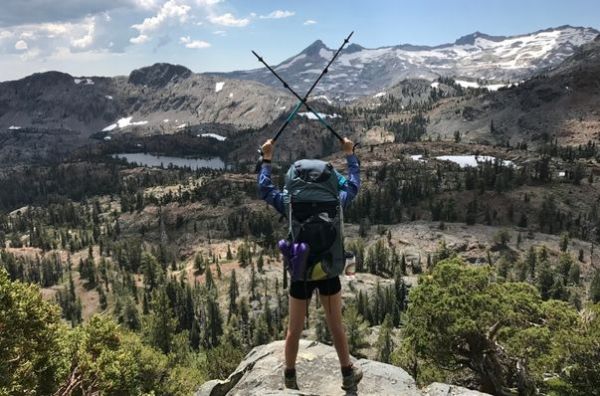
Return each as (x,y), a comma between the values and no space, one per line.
(303,100)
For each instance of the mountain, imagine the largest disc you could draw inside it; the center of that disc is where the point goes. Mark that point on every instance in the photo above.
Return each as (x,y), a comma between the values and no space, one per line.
(261,372)
(561,103)
(362,71)
(161,97)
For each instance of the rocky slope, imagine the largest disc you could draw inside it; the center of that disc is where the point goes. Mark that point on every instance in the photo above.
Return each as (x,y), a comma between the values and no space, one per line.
(161,98)
(260,373)
(363,71)
(561,103)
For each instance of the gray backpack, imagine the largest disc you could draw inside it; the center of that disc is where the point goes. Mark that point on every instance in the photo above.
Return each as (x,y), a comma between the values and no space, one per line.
(315,216)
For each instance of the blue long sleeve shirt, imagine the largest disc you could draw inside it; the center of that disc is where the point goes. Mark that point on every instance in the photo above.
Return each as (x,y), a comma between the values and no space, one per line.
(348,186)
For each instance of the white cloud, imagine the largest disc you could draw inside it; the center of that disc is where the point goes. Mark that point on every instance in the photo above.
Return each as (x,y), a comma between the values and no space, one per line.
(194,44)
(31,54)
(4,34)
(278,14)
(169,12)
(229,20)
(146,4)
(208,2)
(88,38)
(310,22)
(21,45)
(141,39)
(27,35)
(220,33)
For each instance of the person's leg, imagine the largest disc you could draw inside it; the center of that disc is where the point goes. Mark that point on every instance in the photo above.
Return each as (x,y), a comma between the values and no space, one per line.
(331,298)
(297,311)
(332,305)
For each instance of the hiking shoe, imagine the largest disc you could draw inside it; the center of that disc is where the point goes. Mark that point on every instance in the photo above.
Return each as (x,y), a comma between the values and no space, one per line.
(349,382)
(290,381)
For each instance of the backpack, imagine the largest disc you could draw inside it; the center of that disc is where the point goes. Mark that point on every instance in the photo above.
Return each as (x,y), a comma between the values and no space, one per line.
(315,216)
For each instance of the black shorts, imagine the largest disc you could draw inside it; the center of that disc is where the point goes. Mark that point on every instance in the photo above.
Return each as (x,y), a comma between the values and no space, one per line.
(304,290)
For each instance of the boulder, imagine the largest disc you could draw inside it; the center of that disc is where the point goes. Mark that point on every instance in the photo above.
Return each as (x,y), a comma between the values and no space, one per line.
(261,373)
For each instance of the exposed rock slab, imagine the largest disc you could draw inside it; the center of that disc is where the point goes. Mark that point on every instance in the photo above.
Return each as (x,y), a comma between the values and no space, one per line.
(260,373)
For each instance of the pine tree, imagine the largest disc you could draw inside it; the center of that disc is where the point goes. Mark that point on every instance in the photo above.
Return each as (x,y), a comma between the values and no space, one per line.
(575,274)
(214,322)
(564,241)
(355,329)
(160,324)
(595,288)
(253,283)
(199,264)
(385,344)
(233,294)
(531,261)
(545,280)
(209,281)
(260,263)
(261,332)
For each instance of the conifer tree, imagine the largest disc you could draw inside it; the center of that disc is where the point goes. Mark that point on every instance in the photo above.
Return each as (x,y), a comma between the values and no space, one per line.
(233,294)
(208,280)
(253,283)
(595,287)
(161,324)
(385,344)
(356,329)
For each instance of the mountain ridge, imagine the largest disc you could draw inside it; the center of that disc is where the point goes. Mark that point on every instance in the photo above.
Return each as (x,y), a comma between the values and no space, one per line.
(361,71)
(161,98)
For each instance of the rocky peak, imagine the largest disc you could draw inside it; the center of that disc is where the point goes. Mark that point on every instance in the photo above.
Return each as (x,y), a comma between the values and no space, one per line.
(314,48)
(159,74)
(470,38)
(352,48)
(49,78)
(261,373)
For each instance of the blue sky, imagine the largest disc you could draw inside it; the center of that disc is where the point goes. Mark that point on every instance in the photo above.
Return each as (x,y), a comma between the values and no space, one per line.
(110,37)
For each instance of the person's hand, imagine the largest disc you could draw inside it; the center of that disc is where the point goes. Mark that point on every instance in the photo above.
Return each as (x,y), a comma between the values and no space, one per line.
(348,146)
(267,150)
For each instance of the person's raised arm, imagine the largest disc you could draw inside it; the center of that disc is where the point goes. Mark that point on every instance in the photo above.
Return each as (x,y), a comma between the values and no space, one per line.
(267,189)
(352,184)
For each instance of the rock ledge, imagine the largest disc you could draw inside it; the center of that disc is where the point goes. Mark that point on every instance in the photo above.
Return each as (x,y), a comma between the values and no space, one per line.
(260,373)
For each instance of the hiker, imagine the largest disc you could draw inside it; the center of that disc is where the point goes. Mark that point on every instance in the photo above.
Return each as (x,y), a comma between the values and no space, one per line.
(327,248)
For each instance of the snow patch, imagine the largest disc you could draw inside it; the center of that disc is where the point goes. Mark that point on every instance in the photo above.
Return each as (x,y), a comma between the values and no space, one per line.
(214,136)
(325,54)
(312,116)
(180,126)
(379,95)
(107,138)
(467,84)
(219,86)
(231,95)
(471,160)
(108,97)
(14,128)
(325,98)
(85,81)
(123,123)
(435,84)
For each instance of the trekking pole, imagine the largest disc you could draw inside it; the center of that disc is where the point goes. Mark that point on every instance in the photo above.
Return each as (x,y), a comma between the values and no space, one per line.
(302,100)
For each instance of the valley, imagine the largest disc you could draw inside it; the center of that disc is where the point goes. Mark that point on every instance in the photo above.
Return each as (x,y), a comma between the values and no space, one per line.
(131,202)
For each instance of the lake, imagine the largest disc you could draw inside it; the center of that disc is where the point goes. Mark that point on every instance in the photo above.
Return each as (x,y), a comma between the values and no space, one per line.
(180,162)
